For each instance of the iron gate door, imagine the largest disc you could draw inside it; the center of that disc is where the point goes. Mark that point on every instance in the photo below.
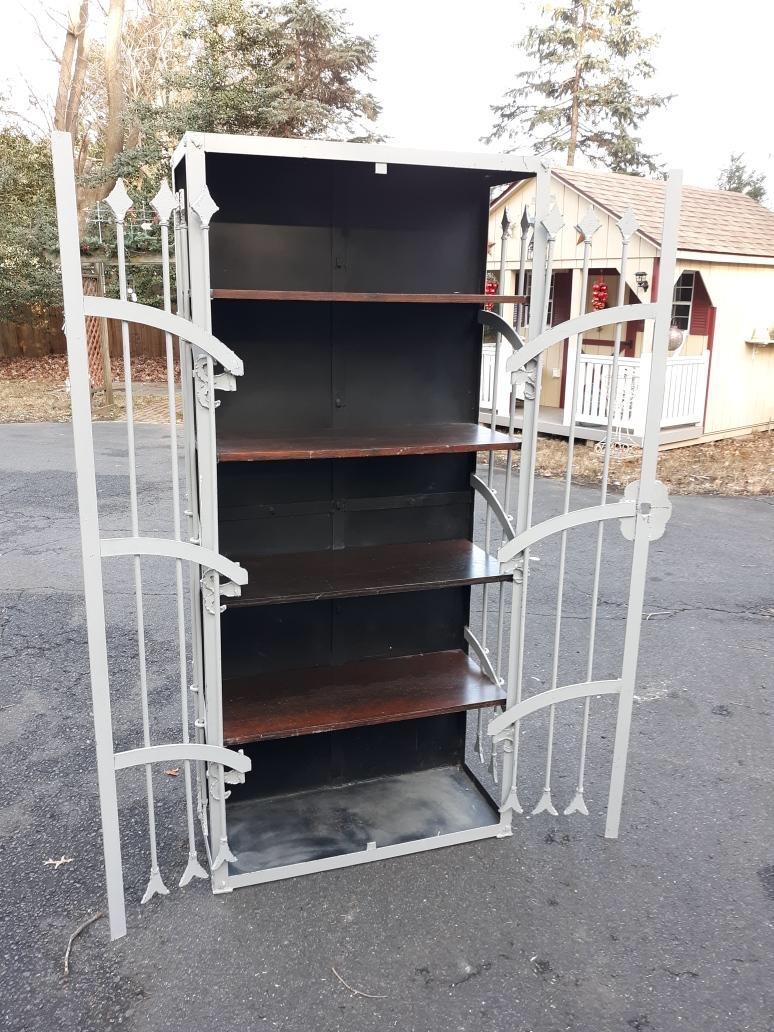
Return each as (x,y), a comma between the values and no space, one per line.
(210,574)
(641,514)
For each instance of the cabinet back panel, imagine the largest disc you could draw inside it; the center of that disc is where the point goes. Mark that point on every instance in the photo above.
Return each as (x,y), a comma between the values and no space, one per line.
(286,350)
(290,224)
(270,508)
(340,757)
(405,364)
(312,366)
(328,633)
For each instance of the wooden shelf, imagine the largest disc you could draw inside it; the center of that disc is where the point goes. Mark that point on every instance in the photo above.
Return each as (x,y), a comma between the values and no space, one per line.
(375,691)
(227,294)
(429,439)
(353,572)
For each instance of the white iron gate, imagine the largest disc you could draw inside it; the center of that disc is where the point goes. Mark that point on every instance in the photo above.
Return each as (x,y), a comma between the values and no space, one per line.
(211,573)
(642,513)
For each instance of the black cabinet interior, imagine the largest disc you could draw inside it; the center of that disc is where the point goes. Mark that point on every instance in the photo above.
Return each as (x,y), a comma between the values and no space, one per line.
(354,370)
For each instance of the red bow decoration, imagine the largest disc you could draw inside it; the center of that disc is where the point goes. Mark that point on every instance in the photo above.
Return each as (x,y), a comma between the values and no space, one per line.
(599,295)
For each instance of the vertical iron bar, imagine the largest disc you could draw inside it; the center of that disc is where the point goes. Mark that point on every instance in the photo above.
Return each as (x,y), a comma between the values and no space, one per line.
(86,485)
(526,226)
(155,882)
(577,804)
(538,304)
(164,204)
(544,804)
(490,482)
(201,204)
(612,390)
(593,226)
(641,547)
(192,512)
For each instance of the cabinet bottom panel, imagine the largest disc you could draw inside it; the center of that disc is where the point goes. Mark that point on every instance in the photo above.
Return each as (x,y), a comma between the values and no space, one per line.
(328,822)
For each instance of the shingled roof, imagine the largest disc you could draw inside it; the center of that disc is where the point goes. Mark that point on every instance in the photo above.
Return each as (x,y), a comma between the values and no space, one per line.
(716,221)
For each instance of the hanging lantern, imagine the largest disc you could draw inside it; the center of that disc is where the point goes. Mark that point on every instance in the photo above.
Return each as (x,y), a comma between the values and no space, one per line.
(599,295)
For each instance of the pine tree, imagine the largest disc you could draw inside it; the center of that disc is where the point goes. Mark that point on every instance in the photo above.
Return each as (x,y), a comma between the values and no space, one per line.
(585,91)
(741,179)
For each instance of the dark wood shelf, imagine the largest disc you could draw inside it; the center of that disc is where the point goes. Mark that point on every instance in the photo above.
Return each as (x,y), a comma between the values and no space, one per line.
(376,570)
(429,439)
(376,691)
(228,294)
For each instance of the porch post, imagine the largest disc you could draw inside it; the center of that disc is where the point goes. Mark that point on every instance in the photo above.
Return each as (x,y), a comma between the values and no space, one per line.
(577,305)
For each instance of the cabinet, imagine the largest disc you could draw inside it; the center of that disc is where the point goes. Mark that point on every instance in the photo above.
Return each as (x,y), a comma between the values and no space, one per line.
(349,280)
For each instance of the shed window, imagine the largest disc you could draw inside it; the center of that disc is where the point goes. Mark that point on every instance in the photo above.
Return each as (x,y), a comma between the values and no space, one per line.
(682,299)
(528,291)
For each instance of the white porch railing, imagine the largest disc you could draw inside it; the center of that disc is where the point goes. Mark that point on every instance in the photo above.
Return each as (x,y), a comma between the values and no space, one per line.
(503,381)
(686,384)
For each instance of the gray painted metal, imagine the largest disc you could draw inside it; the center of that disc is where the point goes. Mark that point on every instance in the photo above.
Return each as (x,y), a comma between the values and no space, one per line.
(173,549)
(642,513)
(200,209)
(366,856)
(500,725)
(131,311)
(496,322)
(511,551)
(202,560)
(489,494)
(183,751)
(580,324)
(72,291)
(482,655)
(647,480)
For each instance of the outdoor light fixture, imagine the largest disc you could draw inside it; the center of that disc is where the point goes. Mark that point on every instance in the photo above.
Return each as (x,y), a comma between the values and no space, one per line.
(642,281)
(676,338)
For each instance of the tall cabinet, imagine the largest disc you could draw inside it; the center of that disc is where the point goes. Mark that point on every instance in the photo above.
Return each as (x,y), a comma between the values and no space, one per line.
(349,279)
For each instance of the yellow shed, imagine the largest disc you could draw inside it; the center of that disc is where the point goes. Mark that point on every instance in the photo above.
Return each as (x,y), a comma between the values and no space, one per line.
(720,382)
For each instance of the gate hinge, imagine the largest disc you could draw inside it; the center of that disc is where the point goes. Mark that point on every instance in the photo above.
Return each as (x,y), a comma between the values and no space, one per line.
(653,507)
(527,376)
(213,588)
(516,567)
(220,382)
(234,777)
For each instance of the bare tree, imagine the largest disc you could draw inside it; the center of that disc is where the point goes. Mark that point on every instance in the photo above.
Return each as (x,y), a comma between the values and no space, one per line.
(72,66)
(115,129)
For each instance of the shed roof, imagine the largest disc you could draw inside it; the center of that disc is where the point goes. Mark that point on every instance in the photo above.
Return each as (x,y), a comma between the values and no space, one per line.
(716,221)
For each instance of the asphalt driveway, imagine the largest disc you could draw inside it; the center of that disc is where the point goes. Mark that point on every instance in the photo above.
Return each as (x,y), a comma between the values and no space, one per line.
(671,927)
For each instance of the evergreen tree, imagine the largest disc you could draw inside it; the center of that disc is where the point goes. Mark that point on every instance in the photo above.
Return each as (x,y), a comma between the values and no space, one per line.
(738,178)
(585,90)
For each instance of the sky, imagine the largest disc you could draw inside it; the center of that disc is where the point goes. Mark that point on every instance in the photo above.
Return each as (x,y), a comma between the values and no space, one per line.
(442,63)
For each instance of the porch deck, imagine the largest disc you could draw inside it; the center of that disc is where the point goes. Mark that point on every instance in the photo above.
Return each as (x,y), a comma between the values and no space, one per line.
(551,421)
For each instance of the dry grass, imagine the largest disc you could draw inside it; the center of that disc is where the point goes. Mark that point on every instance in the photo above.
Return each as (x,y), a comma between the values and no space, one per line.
(737,466)
(33,390)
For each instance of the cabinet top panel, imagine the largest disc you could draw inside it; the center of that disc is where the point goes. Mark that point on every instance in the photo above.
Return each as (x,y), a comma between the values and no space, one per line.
(504,167)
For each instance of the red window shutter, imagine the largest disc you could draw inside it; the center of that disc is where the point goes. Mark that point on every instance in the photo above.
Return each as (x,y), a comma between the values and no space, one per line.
(700,308)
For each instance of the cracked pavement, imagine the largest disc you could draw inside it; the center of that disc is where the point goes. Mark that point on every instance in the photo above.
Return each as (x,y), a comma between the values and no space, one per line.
(670,927)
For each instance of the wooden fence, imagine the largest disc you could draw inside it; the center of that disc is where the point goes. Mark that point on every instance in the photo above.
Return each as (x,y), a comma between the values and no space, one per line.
(43,335)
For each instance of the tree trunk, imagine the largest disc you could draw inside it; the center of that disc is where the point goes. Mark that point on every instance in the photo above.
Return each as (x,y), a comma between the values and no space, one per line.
(572,144)
(79,77)
(114,127)
(77,17)
(114,130)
